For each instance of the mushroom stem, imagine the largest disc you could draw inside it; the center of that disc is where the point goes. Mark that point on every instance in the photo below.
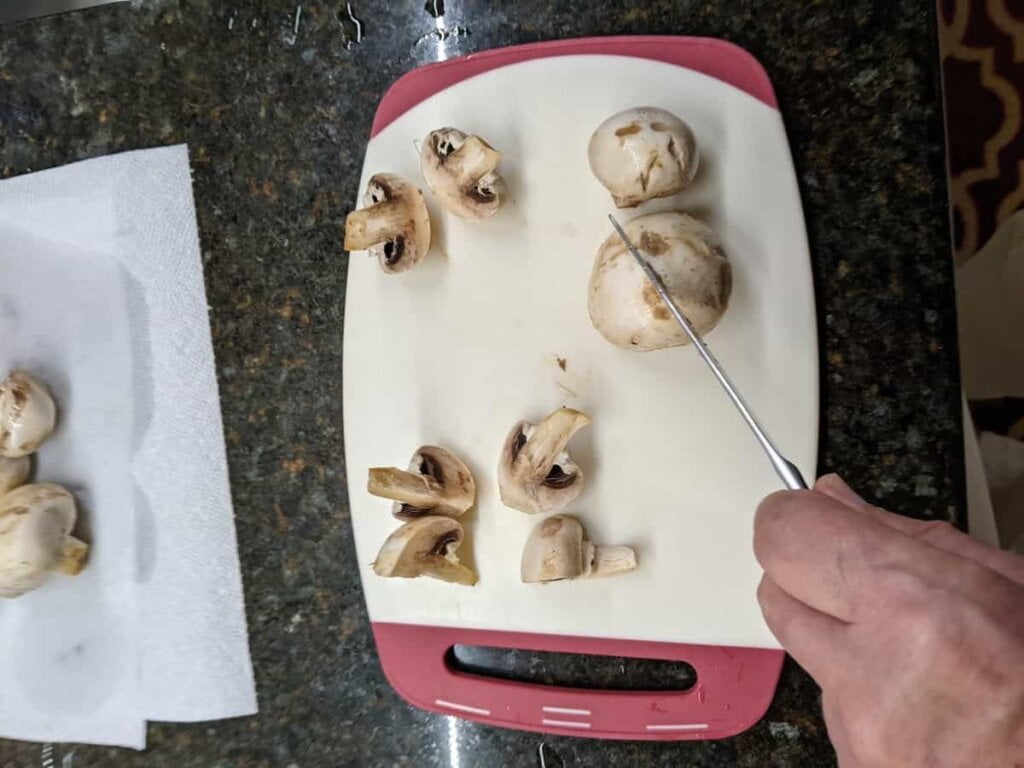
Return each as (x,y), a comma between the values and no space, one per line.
(473,160)
(377,224)
(548,440)
(73,557)
(608,561)
(397,484)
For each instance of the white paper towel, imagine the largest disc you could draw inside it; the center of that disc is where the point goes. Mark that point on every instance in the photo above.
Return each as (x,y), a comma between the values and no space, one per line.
(102,293)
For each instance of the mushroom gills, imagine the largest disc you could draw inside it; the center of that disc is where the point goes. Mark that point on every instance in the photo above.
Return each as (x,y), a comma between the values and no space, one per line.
(27,414)
(557,549)
(535,473)
(392,225)
(462,172)
(426,546)
(436,483)
(35,537)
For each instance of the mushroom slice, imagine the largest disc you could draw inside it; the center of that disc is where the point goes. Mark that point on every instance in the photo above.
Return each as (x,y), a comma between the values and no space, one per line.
(425,546)
(13,472)
(558,548)
(535,474)
(643,153)
(27,414)
(392,225)
(461,171)
(623,304)
(437,483)
(35,537)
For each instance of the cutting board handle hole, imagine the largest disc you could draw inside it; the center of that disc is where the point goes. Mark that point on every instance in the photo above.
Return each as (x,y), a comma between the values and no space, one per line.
(572,670)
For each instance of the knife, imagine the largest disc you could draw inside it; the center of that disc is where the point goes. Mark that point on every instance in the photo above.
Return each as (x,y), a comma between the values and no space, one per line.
(785,469)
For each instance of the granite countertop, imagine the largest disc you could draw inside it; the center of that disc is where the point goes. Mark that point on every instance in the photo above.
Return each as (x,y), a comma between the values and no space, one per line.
(276,120)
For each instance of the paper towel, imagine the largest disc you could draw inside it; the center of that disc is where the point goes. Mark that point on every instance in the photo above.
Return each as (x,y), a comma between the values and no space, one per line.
(103,295)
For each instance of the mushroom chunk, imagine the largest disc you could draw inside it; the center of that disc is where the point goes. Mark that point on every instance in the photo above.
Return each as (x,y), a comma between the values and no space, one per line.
(425,546)
(437,483)
(623,305)
(643,153)
(13,472)
(557,549)
(392,225)
(461,171)
(535,474)
(27,414)
(35,537)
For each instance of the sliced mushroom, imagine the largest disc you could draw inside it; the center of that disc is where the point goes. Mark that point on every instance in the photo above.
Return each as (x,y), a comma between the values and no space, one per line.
(437,483)
(535,474)
(425,546)
(35,537)
(27,414)
(623,304)
(558,548)
(13,472)
(392,225)
(462,171)
(643,153)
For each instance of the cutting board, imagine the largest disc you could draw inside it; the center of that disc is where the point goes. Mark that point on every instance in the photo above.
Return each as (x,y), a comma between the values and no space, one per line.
(457,350)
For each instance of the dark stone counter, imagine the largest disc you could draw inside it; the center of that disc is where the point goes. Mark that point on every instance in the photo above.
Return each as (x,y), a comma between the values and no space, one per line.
(276,122)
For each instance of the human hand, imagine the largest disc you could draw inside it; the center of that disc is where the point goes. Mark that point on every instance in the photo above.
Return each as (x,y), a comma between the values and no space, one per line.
(913,630)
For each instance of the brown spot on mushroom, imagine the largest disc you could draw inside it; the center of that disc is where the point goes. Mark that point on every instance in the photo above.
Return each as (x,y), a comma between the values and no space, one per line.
(628,130)
(15,511)
(561,362)
(645,174)
(653,300)
(653,243)
(659,126)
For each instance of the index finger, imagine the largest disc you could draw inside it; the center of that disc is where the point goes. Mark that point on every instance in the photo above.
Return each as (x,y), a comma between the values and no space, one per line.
(835,558)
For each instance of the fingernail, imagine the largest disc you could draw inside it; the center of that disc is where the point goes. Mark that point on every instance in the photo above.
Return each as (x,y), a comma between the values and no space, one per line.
(834,486)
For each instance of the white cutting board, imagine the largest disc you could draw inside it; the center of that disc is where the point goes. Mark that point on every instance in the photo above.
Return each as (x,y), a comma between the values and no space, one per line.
(456,351)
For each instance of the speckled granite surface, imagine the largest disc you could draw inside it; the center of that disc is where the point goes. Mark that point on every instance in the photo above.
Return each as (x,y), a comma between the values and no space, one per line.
(276,121)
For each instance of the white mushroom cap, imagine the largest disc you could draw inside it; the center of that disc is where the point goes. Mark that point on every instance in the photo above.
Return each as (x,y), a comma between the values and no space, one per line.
(437,483)
(425,546)
(27,414)
(35,537)
(392,225)
(558,548)
(535,474)
(13,472)
(623,304)
(643,153)
(461,171)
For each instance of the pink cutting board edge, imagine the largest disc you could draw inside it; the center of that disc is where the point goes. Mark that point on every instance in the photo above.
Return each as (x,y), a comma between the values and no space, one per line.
(735,685)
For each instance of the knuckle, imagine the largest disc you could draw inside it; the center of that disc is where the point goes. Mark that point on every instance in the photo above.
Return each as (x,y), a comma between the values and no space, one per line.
(771,517)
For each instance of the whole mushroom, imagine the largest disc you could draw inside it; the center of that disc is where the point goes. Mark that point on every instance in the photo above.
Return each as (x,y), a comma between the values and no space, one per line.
(558,548)
(27,414)
(392,225)
(462,171)
(623,305)
(425,546)
(35,537)
(437,483)
(643,153)
(535,474)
